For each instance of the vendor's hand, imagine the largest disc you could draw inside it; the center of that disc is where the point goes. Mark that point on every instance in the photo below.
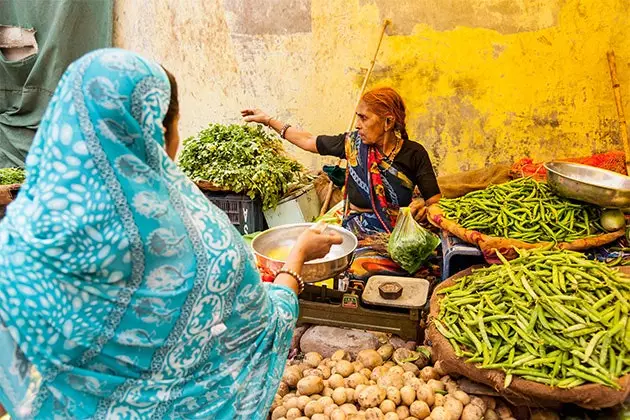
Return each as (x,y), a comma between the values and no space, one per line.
(418,209)
(313,244)
(255,115)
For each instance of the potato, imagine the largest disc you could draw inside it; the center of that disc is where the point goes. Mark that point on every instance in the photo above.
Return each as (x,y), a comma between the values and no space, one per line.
(291,376)
(439,368)
(426,394)
(327,362)
(340,355)
(440,413)
(407,395)
(416,384)
(319,416)
(283,389)
(491,403)
(310,385)
(428,373)
(336,381)
(303,418)
(339,396)
(313,407)
(360,388)
(435,385)
(491,415)
(385,351)
(313,372)
(328,410)
(315,397)
(357,416)
(327,392)
(366,372)
(410,367)
(343,368)
(420,409)
(338,414)
(326,371)
(503,411)
(388,406)
(349,395)
(288,396)
(454,407)
(378,372)
(370,358)
(290,403)
(348,408)
(357,366)
(472,412)
(326,401)
(370,397)
(439,400)
(374,414)
(293,413)
(356,379)
(402,411)
(479,403)
(391,379)
(302,401)
(278,412)
(408,376)
(391,416)
(303,366)
(462,396)
(397,370)
(393,394)
(313,359)
(389,364)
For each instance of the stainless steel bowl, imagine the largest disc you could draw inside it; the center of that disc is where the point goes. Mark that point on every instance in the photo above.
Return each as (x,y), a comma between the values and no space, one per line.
(587,183)
(335,262)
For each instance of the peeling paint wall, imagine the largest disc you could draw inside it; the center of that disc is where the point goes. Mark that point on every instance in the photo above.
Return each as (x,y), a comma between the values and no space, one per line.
(485,81)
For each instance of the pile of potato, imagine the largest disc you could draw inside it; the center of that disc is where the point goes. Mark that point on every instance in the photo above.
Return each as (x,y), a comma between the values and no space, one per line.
(374,387)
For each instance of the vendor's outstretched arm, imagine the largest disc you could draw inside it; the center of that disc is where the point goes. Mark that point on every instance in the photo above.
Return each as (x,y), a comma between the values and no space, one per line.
(302,139)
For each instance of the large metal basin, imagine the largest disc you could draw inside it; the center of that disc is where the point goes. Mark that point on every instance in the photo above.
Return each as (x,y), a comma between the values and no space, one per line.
(267,244)
(587,183)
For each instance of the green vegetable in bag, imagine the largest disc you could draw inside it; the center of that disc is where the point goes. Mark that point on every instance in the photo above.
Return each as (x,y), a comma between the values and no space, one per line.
(410,244)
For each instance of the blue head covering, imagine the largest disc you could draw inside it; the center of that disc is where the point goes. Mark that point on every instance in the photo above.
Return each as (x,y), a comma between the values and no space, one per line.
(124,293)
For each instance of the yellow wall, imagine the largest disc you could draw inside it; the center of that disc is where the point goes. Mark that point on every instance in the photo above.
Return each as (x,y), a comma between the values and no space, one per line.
(485,81)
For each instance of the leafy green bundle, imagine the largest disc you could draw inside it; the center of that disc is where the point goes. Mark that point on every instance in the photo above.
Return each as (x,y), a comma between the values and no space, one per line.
(241,158)
(10,176)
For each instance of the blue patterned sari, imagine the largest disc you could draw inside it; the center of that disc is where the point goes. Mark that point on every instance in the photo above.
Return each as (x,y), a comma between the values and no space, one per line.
(124,293)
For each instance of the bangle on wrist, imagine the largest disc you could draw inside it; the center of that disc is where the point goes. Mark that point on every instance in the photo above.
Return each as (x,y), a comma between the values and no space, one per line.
(269,121)
(284,129)
(296,276)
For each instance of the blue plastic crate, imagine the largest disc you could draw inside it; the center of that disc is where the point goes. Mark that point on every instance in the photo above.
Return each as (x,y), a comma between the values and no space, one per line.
(458,255)
(244,213)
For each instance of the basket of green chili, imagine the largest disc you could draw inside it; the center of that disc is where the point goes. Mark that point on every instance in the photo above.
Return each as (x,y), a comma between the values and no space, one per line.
(549,325)
(523,213)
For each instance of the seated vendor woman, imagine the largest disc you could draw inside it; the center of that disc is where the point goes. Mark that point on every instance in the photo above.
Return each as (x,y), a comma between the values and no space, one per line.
(384,166)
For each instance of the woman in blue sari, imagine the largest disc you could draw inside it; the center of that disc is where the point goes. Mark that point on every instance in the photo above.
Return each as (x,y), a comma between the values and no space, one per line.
(124,293)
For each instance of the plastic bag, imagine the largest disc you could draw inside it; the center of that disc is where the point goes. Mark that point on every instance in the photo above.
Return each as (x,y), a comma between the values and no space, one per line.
(410,244)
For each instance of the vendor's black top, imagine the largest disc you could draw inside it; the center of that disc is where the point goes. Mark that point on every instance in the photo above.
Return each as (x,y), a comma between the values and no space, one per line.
(412,159)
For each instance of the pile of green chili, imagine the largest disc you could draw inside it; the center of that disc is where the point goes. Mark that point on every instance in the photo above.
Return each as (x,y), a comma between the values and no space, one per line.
(552,317)
(523,209)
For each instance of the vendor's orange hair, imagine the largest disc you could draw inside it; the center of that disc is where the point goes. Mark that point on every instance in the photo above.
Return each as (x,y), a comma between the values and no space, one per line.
(385,102)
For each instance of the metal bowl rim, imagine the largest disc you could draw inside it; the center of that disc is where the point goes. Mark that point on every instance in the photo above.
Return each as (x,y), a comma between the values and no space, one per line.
(352,235)
(546,165)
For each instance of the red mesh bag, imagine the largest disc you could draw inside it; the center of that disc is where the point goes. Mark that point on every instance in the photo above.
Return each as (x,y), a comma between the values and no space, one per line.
(613,161)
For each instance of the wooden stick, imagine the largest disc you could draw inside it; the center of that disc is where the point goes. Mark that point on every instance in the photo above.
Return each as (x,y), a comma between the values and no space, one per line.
(386,22)
(329,192)
(623,128)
